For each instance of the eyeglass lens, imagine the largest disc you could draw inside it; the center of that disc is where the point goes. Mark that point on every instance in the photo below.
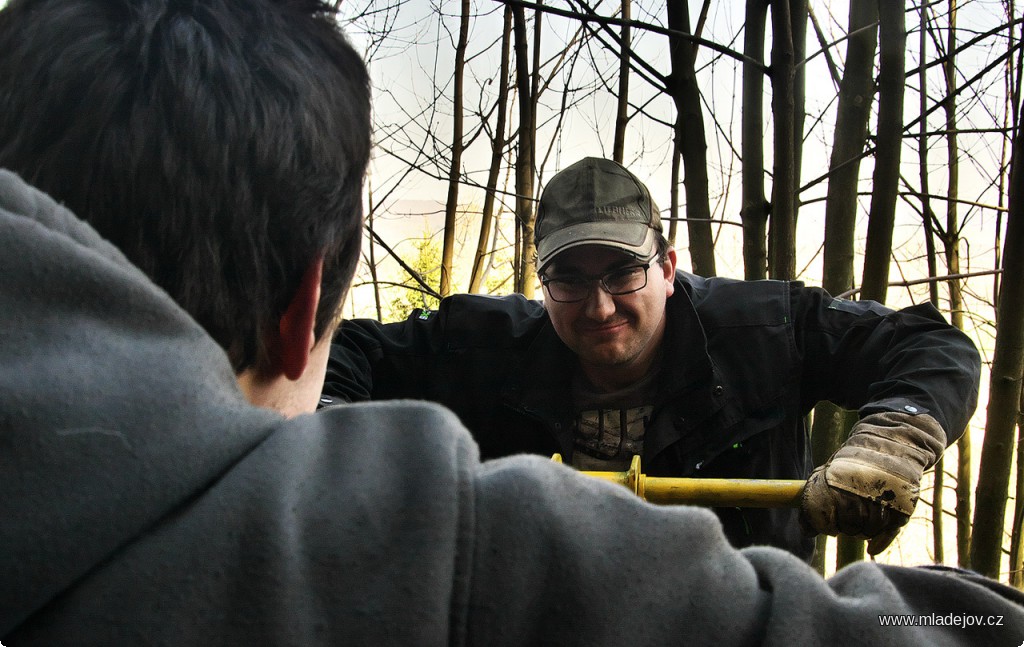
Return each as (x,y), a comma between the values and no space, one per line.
(616,283)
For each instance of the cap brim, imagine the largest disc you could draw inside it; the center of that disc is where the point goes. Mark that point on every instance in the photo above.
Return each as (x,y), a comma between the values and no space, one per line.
(636,239)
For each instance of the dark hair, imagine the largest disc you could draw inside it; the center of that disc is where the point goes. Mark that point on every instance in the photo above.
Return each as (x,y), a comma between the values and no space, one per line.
(662,247)
(220,144)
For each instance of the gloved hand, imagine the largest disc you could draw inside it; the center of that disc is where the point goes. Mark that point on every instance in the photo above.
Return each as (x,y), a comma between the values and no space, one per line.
(869,487)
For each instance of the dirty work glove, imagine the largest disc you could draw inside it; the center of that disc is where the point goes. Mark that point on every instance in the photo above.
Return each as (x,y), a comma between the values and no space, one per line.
(869,487)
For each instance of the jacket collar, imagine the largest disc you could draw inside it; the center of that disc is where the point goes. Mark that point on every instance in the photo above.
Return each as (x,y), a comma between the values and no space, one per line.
(685,343)
(692,387)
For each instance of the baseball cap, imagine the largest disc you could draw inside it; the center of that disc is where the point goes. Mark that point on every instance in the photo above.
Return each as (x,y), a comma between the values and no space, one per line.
(596,202)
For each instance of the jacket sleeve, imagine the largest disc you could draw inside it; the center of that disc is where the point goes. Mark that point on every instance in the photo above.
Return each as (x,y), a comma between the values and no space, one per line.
(414,358)
(370,360)
(564,560)
(862,355)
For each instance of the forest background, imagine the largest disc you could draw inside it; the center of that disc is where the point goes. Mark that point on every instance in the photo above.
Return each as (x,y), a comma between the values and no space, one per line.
(861,145)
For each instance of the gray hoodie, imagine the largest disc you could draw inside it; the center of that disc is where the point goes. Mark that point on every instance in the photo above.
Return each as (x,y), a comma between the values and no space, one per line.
(144,501)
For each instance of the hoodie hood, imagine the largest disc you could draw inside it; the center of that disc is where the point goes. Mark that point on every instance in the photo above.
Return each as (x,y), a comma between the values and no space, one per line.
(88,464)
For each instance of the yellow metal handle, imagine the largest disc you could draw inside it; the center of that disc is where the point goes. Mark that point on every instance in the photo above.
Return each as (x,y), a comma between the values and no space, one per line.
(722,493)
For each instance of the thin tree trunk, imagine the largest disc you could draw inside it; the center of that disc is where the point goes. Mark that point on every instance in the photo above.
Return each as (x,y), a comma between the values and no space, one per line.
(892,38)
(693,143)
(526,250)
(831,427)
(622,114)
(489,265)
(1016,550)
(856,90)
(529,247)
(798,12)
(1004,384)
(677,156)
(1017,541)
(483,247)
(782,222)
(455,173)
(956,300)
(371,251)
(754,209)
(938,539)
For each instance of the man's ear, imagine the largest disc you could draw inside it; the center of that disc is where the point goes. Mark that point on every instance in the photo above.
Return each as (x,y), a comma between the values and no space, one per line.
(296,327)
(669,269)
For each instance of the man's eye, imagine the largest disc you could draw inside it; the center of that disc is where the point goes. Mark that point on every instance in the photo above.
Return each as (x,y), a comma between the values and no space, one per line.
(622,275)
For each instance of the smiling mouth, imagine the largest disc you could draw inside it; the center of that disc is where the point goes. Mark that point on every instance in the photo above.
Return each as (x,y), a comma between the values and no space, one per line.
(605,328)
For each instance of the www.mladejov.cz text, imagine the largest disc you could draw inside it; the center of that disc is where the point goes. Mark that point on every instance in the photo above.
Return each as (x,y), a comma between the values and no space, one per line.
(940,620)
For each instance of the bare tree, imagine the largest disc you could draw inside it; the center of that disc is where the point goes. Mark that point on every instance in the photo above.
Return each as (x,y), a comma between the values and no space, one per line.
(951,241)
(498,143)
(525,215)
(798,13)
(754,209)
(892,38)
(782,221)
(371,255)
(691,140)
(927,216)
(856,93)
(455,170)
(1004,385)
(622,110)
(1012,83)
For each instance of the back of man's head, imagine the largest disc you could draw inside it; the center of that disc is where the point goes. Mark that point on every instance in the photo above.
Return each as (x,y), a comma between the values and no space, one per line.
(221,144)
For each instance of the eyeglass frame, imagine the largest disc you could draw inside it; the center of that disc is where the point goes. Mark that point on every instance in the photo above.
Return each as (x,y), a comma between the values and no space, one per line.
(600,280)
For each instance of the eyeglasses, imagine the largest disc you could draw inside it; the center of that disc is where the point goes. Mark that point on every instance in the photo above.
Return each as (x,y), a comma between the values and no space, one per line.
(620,281)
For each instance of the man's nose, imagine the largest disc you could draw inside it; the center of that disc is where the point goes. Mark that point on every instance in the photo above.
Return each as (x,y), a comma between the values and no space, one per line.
(600,304)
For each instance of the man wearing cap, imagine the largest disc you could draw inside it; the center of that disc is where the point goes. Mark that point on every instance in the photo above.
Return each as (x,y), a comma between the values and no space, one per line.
(701,377)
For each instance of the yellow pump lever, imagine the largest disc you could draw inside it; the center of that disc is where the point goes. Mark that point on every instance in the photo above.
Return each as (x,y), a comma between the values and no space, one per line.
(719,493)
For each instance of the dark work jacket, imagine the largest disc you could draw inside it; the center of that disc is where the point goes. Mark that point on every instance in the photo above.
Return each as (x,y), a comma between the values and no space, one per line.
(744,362)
